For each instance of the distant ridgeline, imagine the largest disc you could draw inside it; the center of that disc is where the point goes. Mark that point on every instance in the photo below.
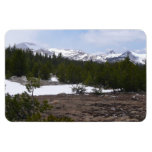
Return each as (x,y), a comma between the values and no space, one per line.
(124,75)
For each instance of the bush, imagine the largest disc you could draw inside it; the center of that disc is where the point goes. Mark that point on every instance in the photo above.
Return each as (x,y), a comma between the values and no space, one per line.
(97,91)
(79,89)
(23,108)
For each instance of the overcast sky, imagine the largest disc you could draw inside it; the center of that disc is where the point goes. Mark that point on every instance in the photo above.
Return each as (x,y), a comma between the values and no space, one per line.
(91,41)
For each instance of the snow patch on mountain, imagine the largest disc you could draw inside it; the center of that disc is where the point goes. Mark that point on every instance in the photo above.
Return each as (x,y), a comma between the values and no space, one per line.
(28,45)
(134,57)
(111,56)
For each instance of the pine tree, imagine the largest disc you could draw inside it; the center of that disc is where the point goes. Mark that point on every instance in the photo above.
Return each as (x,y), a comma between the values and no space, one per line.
(36,70)
(44,72)
(18,63)
(32,83)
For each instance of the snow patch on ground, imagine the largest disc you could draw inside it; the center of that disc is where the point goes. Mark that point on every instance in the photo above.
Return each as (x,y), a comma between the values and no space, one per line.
(54,79)
(16,88)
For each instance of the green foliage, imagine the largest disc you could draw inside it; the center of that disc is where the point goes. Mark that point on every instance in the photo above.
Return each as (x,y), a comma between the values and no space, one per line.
(44,72)
(36,70)
(23,108)
(34,117)
(32,83)
(45,106)
(61,72)
(97,91)
(123,75)
(79,89)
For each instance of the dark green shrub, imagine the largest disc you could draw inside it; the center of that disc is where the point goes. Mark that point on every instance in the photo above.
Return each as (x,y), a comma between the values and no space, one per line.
(79,89)
(22,107)
(97,91)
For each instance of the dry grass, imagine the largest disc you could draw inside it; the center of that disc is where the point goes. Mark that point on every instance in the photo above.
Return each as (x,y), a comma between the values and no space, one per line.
(108,107)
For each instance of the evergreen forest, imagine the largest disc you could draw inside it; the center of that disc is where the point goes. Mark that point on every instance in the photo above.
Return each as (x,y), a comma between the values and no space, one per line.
(124,75)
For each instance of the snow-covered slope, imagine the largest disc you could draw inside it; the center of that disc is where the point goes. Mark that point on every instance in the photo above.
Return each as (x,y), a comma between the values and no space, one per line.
(134,57)
(34,47)
(71,54)
(111,56)
(28,45)
(16,88)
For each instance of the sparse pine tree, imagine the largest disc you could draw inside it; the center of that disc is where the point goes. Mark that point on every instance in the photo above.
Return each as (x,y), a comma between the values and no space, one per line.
(32,83)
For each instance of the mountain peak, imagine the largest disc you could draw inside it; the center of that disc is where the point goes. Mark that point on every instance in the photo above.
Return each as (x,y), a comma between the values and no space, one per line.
(71,54)
(28,45)
(127,53)
(111,52)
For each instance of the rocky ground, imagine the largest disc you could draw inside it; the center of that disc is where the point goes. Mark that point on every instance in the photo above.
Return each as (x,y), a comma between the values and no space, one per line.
(107,107)
(23,80)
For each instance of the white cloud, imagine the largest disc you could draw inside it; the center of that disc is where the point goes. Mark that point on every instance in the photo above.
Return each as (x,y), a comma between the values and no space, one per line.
(16,36)
(142,51)
(112,37)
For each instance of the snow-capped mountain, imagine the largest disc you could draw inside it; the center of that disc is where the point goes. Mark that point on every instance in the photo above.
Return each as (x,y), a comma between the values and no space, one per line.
(111,56)
(35,48)
(28,45)
(134,57)
(71,54)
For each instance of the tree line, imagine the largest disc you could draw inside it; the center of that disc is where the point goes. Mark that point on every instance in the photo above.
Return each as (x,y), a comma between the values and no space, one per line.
(124,75)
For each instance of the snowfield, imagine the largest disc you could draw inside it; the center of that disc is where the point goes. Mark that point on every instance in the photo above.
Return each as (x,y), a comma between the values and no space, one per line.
(16,88)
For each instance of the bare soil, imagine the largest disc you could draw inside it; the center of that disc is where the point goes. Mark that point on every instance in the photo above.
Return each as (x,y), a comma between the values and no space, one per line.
(91,108)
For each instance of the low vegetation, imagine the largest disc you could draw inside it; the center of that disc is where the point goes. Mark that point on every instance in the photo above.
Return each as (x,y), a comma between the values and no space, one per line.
(23,107)
(79,89)
(124,75)
(97,91)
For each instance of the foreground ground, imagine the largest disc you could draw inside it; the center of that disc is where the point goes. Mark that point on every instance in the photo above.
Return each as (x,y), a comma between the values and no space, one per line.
(107,107)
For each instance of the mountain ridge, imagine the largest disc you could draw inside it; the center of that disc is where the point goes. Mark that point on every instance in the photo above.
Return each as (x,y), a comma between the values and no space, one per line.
(111,56)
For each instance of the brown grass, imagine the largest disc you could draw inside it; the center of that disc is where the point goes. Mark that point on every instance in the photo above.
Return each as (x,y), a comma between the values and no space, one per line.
(107,107)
